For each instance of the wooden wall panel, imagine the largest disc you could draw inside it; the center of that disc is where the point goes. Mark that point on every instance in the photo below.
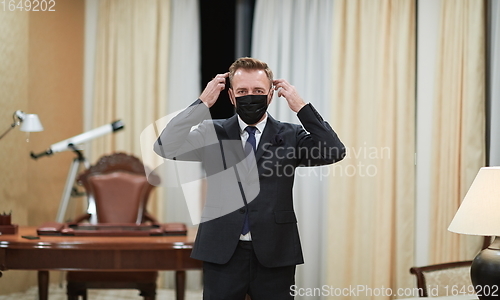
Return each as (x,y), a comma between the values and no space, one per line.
(41,71)
(13,148)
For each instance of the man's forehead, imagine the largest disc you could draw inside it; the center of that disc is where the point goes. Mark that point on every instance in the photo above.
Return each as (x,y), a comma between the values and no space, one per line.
(249,78)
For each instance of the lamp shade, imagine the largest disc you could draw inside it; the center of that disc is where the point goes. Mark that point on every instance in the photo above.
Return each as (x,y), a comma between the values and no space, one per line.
(31,123)
(479,213)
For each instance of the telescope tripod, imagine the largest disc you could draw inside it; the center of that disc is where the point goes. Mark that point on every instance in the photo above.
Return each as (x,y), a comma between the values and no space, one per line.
(70,189)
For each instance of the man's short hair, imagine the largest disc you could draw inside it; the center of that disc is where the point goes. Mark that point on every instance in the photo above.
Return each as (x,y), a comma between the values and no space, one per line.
(249,63)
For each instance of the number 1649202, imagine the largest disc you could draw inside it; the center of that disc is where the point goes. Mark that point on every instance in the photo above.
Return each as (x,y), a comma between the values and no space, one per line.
(28,5)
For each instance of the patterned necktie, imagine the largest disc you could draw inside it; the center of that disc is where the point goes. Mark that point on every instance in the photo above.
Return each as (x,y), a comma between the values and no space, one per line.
(250,141)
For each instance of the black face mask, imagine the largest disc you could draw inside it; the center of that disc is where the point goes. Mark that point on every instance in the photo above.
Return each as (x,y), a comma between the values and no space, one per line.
(251,108)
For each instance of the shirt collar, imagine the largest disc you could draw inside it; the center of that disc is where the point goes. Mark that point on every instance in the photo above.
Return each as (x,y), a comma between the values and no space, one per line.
(260,126)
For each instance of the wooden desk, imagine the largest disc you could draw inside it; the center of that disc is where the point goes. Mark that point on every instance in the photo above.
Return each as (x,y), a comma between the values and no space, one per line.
(72,253)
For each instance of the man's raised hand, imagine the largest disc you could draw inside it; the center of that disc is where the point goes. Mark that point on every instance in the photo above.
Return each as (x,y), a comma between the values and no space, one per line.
(288,91)
(212,91)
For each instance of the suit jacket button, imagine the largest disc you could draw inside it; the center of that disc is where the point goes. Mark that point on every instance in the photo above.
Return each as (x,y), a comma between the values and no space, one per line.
(242,210)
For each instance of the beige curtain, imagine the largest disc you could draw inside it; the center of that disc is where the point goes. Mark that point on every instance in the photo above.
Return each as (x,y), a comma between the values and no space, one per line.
(131,74)
(459,123)
(371,207)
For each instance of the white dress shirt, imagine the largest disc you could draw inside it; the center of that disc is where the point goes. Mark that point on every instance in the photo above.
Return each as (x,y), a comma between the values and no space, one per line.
(244,136)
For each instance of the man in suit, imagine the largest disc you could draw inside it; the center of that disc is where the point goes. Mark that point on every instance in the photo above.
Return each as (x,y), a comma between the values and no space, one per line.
(248,236)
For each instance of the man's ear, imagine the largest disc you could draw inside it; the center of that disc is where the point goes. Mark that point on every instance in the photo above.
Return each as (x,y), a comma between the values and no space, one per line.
(270,97)
(231,96)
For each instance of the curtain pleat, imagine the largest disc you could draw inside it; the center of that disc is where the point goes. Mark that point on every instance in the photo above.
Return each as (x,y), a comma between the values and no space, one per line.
(131,70)
(132,57)
(459,124)
(372,191)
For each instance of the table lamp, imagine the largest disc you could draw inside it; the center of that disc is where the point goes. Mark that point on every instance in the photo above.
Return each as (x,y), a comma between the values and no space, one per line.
(479,214)
(28,122)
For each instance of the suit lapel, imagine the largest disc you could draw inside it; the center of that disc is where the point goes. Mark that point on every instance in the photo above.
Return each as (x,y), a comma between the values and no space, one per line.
(272,128)
(233,148)
(232,128)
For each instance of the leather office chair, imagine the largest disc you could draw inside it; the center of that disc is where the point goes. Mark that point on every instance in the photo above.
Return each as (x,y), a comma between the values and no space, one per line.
(439,279)
(121,190)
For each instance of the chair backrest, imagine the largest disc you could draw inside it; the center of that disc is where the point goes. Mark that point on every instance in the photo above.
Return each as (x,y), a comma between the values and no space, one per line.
(438,280)
(120,189)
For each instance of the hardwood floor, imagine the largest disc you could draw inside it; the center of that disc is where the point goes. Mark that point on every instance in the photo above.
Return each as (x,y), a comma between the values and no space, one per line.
(56,292)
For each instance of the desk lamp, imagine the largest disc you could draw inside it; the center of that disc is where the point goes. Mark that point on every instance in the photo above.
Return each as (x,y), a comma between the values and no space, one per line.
(479,214)
(28,122)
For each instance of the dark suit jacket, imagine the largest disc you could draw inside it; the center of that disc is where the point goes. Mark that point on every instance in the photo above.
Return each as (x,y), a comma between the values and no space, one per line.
(282,148)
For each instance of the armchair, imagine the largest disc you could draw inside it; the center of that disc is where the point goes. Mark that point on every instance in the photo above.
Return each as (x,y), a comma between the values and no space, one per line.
(450,275)
(120,190)
(440,277)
